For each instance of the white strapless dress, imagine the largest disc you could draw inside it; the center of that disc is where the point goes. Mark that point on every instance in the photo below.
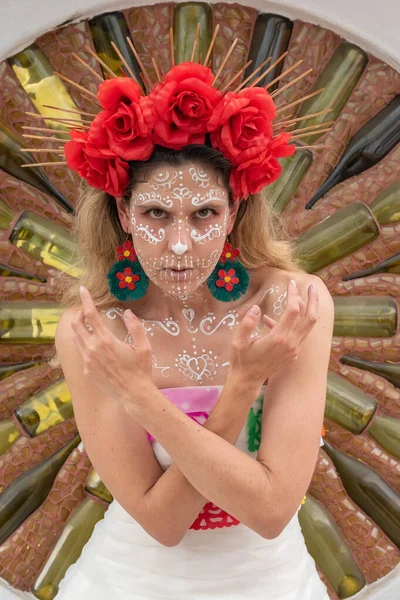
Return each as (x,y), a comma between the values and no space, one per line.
(219,558)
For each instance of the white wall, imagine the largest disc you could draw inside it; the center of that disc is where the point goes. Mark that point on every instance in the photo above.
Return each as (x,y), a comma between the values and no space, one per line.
(372,24)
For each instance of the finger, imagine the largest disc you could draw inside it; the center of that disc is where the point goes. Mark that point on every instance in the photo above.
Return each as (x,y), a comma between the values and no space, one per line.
(78,325)
(268,321)
(90,311)
(249,323)
(291,314)
(311,314)
(135,328)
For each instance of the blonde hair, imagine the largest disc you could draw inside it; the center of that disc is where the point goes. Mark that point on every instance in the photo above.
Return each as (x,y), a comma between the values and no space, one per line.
(259,232)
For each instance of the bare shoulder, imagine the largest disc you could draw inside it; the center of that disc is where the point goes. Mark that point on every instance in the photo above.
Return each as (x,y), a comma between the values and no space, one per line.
(112,318)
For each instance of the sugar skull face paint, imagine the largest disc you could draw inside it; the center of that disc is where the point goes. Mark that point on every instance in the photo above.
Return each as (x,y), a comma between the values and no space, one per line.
(179,220)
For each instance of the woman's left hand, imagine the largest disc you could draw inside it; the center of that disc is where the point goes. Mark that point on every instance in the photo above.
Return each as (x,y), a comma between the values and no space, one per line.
(116,367)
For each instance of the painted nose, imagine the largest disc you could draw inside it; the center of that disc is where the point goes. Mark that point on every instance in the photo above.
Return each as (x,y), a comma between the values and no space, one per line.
(180,243)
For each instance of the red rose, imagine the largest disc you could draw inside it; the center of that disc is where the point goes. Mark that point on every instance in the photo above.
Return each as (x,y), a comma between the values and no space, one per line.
(126,125)
(257,166)
(100,167)
(242,120)
(184,103)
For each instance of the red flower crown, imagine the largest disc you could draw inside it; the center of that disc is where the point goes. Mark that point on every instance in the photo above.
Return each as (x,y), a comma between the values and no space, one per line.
(180,110)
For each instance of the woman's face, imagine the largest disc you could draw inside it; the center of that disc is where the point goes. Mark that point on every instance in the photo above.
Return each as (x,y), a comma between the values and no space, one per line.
(179,220)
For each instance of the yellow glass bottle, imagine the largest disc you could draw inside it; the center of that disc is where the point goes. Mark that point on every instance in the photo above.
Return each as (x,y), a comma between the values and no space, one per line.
(29,322)
(95,486)
(8,434)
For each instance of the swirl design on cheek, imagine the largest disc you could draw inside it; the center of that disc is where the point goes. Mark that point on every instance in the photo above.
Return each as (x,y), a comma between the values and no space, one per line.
(147,234)
(214,232)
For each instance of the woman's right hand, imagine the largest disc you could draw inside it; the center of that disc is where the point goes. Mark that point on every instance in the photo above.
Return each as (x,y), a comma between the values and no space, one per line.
(256,356)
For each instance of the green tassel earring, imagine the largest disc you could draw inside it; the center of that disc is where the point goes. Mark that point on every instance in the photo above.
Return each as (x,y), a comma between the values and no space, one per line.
(229,279)
(126,278)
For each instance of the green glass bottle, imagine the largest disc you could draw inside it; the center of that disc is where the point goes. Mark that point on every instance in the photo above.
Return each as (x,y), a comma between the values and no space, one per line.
(186,17)
(365,316)
(369,490)
(95,486)
(6,271)
(76,533)
(366,148)
(347,405)
(336,236)
(283,189)
(29,322)
(329,549)
(338,79)
(46,408)
(386,431)
(8,434)
(36,76)
(386,206)
(7,370)
(45,241)
(27,492)
(11,159)
(6,215)
(390,371)
(270,38)
(112,27)
(390,265)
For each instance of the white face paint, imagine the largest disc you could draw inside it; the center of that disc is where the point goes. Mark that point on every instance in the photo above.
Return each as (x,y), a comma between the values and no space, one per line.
(179,224)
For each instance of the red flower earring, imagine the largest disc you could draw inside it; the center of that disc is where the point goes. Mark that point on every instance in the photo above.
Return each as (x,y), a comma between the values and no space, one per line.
(126,278)
(229,279)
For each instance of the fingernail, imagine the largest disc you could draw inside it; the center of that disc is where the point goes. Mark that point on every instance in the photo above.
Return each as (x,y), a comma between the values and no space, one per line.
(82,289)
(128,314)
(293,283)
(255,310)
(314,289)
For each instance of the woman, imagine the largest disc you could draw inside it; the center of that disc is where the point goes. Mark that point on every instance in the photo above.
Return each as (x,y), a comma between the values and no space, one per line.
(196,362)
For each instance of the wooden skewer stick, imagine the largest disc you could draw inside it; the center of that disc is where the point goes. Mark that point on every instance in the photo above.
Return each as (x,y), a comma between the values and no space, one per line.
(44,164)
(41,150)
(196,37)
(70,110)
(124,61)
(172,46)
(210,47)
(284,73)
(301,135)
(293,121)
(46,129)
(103,64)
(240,86)
(141,65)
(42,137)
(61,119)
(284,107)
(79,87)
(157,70)
(310,127)
(235,41)
(238,74)
(288,85)
(79,59)
(315,147)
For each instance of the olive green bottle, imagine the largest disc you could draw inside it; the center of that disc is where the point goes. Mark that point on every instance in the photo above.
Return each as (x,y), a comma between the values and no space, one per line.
(95,486)
(75,535)
(46,408)
(389,265)
(8,434)
(336,236)
(28,322)
(27,492)
(283,189)
(386,206)
(329,549)
(186,17)
(365,316)
(46,241)
(390,371)
(347,405)
(386,431)
(369,490)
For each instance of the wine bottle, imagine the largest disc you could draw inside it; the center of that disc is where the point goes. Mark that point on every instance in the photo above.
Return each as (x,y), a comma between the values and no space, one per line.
(365,316)
(112,27)
(390,265)
(186,17)
(369,490)
(27,492)
(46,408)
(347,405)
(336,236)
(45,241)
(8,434)
(29,322)
(338,79)
(390,371)
(36,76)
(386,431)
(366,148)
(270,38)
(11,159)
(386,206)
(6,216)
(283,189)
(76,533)
(326,544)
(9,369)
(95,486)
(7,271)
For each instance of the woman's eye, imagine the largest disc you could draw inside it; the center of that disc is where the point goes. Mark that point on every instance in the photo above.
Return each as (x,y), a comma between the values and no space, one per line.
(156,210)
(208,211)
